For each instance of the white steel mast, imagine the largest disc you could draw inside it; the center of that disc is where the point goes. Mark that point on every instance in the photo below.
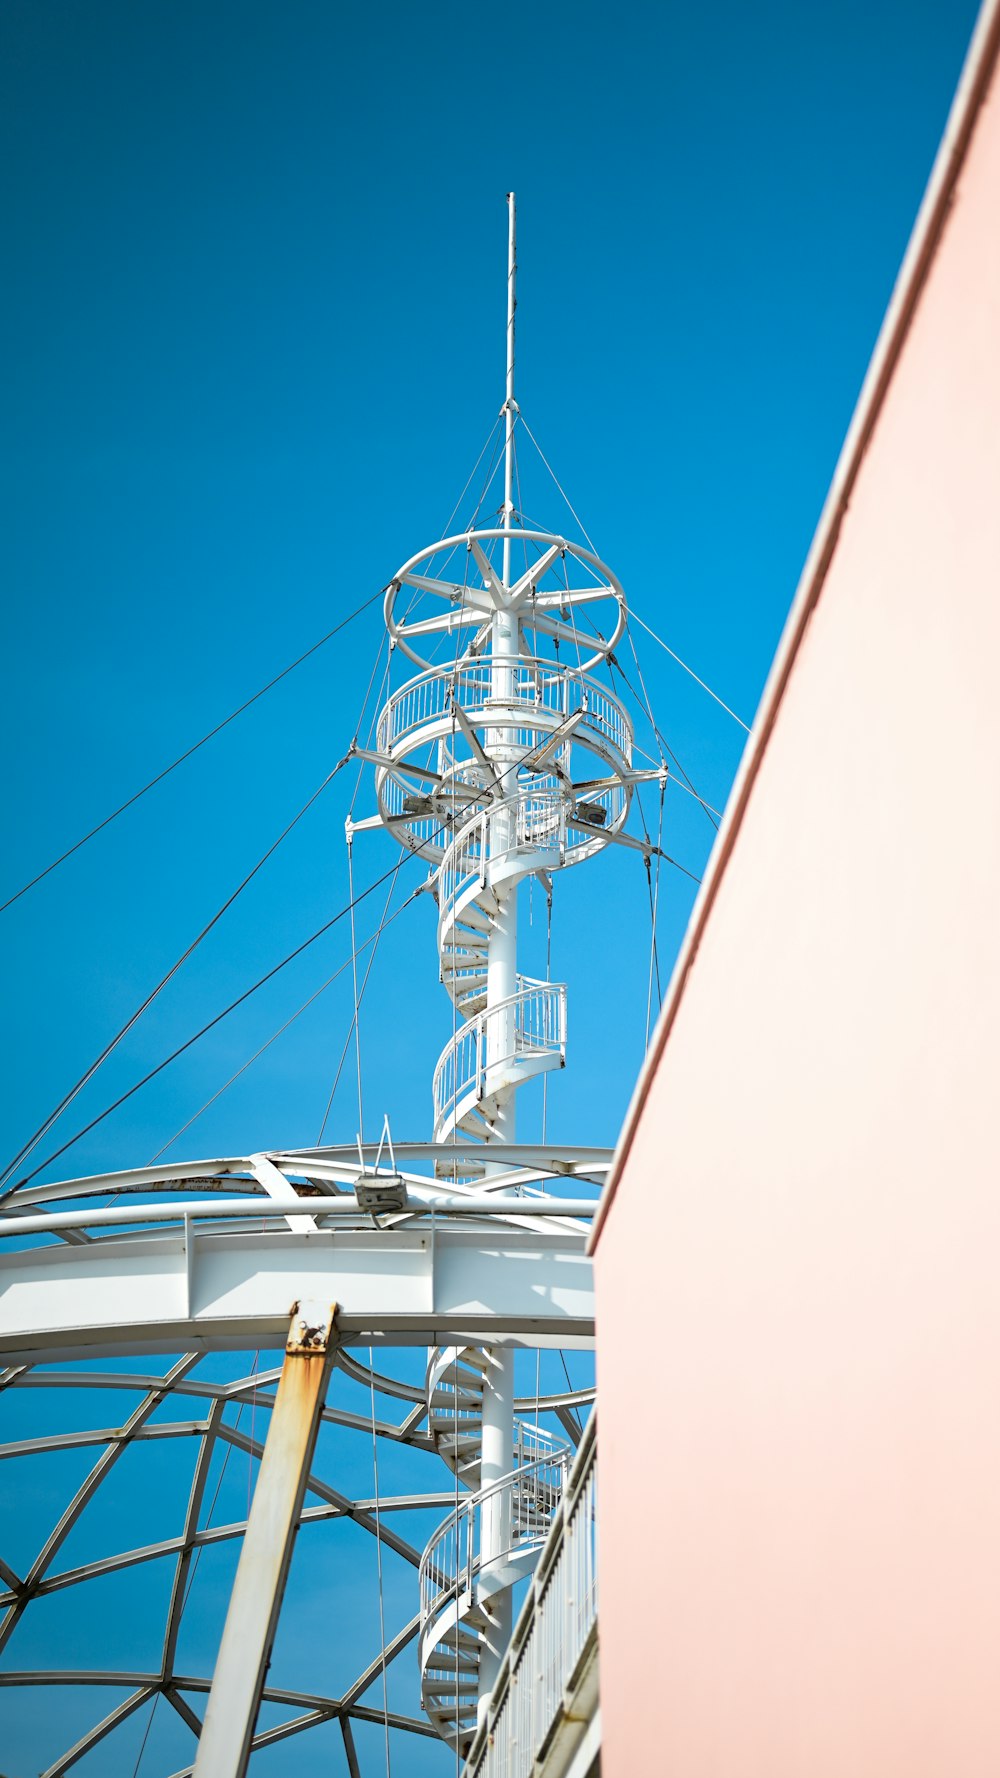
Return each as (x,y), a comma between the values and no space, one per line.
(501,991)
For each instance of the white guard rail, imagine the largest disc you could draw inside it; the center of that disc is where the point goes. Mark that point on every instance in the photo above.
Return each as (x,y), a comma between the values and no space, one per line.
(555,1628)
(530,1025)
(527,1501)
(535,684)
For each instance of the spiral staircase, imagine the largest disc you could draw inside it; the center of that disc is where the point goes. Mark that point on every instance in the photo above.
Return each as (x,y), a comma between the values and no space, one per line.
(457,1586)
(497,1047)
(504,765)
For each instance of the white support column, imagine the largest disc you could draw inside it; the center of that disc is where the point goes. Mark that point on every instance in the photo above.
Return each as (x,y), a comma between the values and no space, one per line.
(255,1601)
(501,968)
(496,1526)
(501,983)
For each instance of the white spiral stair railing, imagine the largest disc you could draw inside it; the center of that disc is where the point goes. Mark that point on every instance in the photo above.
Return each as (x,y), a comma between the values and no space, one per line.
(458,1586)
(548,707)
(496,1048)
(531,1039)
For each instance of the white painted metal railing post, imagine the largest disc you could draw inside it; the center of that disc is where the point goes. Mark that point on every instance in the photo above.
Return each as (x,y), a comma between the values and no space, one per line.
(557,1622)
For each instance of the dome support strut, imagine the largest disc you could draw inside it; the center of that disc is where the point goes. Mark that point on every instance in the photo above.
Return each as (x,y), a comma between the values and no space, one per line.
(255,1601)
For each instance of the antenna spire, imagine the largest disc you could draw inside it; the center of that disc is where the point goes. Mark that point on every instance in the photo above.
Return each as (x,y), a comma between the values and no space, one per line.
(509,404)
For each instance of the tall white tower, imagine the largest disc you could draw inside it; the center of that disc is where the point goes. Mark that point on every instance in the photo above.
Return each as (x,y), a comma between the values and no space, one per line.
(505,758)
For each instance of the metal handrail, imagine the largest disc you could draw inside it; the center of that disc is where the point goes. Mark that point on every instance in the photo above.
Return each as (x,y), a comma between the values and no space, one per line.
(538,1028)
(451,1560)
(540,821)
(541,825)
(557,1623)
(462,865)
(533,684)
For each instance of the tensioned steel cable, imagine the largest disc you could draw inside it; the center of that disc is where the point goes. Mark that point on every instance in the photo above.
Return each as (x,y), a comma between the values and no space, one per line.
(675,657)
(67,1100)
(495,459)
(89,1073)
(548,979)
(573,1411)
(495,462)
(643,698)
(373,939)
(632,613)
(354,977)
(698,681)
(142,1746)
(678,785)
(558,483)
(517,484)
(468,484)
(642,683)
(661,742)
(711,813)
(507,771)
(654,955)
(654,895)
(179,761)
(614,666)
(153,1072)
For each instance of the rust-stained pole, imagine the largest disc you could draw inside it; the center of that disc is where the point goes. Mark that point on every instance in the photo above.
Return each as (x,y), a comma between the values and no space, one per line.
(252,1618)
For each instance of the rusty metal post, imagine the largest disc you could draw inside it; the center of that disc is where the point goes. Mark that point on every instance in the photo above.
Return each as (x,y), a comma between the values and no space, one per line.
(252,1618)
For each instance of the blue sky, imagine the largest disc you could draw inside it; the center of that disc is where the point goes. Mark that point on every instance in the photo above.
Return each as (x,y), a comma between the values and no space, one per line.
(252,336)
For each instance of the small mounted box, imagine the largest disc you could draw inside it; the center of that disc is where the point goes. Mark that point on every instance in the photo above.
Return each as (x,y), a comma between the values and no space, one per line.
(381,1192)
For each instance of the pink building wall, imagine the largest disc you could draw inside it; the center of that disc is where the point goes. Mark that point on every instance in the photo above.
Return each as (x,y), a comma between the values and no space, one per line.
(798,1276)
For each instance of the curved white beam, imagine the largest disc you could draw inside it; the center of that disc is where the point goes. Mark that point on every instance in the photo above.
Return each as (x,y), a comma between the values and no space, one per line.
(336,1166)
(190,1292)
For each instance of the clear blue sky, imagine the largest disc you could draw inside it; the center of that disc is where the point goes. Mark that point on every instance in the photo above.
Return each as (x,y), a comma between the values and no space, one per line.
(252,336)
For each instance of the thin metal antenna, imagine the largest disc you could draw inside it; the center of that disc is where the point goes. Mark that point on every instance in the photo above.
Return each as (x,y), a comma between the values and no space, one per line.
(509,405)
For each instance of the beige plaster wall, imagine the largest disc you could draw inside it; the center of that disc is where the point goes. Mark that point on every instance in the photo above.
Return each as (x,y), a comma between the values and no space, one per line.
(799,1279)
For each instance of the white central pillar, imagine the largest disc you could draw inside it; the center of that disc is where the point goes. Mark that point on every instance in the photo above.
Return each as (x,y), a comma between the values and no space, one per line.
(496,1528)
(501,1031)
(501,962)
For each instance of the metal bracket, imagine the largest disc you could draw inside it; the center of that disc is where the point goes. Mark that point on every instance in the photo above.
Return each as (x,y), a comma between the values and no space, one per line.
(311,1328)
